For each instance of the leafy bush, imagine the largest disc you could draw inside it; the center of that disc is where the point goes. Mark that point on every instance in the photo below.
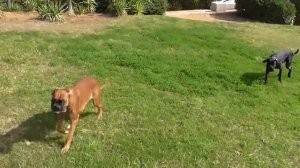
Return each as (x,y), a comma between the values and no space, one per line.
(31,5)
(189,4)
(136,7)
(102,5)
(52,11)
(43,11)
(275,11)
(16,7)
(90,5)
(156,7)
(297,5)
(121,7)
(2,6)
(79,9)
(118,7)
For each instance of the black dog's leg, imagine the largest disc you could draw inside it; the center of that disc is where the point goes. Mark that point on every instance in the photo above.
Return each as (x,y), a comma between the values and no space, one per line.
(266,76)
(280,74)
(290,72)
(288,66)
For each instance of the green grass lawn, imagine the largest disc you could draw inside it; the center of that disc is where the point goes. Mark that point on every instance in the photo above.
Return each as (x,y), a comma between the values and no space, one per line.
(177,94)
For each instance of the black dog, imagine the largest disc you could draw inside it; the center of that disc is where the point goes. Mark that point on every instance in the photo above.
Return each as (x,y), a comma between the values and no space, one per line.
(275,61)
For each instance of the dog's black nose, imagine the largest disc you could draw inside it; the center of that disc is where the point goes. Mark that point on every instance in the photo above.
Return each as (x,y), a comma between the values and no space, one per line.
(56,107)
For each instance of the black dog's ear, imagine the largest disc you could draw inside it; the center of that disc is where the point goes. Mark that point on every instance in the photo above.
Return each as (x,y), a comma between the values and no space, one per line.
(296,52)
(266,60)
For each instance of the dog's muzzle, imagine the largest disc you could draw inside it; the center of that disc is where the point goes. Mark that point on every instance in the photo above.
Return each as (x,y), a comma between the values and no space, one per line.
(58,106)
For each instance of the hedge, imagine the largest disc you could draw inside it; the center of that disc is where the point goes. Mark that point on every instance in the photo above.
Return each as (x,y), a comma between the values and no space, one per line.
(151,7)
(155,7)
(273,11)
(189,4)
(297,5)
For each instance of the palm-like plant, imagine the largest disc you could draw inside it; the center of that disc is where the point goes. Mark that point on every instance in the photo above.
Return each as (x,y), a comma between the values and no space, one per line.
(139,7)
(52,11)
(56,11)
(43,11)
(79,9)
(119,6)
(90,5)
(31,5)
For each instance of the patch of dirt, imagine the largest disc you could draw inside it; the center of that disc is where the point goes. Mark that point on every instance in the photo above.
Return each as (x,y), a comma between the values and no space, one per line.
(28,21)
(92,23)
(206,15)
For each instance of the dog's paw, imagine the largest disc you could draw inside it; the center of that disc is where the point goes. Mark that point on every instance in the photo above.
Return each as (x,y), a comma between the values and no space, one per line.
(100,117)
(63,131)
(65,149)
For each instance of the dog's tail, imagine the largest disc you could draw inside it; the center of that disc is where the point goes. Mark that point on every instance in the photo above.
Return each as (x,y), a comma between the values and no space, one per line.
(296,52)
(102,86)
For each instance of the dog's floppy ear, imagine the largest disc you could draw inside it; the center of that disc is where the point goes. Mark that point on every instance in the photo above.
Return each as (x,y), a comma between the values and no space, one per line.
(56,89)
(53,92)
(70,92)
(266,60)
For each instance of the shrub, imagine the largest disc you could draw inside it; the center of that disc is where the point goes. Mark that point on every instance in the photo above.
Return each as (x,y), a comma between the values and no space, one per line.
(16,7)
(136,7)
(52,11)
(31,5)
(90,5)
(121,7)
(274,11)
(297,5)
(102,5)
(79,9)
(2,6)
(189,4)
(156,7)
(118,7)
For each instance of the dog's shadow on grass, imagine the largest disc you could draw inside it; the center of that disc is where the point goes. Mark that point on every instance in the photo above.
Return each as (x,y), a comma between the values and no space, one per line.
(250,78)
(35,128)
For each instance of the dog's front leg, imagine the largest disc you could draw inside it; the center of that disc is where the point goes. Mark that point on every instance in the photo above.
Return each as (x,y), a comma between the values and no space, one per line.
(288,65)
(266,76)
(60,123)
(74,119)
(290,73)
(280,74)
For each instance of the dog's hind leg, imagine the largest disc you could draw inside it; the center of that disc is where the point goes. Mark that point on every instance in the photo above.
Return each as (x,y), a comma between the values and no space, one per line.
(288,66)
(98,103)
(290,72)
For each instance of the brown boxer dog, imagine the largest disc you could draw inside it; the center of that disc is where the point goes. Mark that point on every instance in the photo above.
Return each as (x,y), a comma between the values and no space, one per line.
(69,102)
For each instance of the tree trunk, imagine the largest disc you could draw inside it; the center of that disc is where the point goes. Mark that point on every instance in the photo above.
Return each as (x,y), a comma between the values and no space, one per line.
(9,4)
(70,8)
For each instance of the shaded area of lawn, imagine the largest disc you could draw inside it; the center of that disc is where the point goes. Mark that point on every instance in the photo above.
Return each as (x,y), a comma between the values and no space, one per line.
(177,94)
